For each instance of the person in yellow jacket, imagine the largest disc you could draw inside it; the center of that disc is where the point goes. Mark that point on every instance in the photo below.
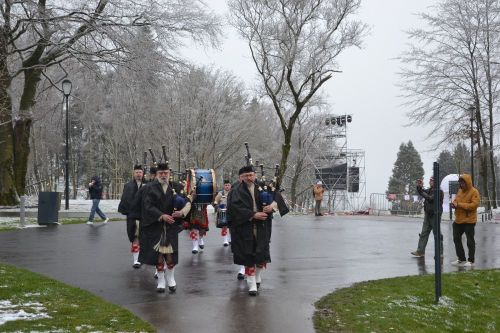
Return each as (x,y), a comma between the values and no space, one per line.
(465,205)
(318,191)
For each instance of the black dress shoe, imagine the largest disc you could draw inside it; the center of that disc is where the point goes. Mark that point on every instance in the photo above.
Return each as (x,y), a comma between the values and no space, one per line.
(136,266)
(160,290)
(241,276)
(258,285)
(172,289)
(252,293)
(201,246)
(194,251)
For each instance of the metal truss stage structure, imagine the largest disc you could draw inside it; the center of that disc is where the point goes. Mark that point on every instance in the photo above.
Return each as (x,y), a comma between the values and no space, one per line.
(341,169)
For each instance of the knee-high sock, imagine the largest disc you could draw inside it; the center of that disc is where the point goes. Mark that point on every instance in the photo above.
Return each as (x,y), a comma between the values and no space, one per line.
(258,274)
(161,280)
(169,273)
(135,256)
(250,273)
(194,237)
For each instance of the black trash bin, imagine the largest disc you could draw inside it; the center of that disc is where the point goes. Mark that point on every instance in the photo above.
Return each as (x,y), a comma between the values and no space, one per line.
(49,204)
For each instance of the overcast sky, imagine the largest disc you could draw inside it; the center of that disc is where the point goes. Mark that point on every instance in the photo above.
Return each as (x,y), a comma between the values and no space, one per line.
(366,88)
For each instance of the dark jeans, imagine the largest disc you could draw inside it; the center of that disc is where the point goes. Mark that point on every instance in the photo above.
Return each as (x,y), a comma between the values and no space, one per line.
(317,207)
(458,231)
(95,209)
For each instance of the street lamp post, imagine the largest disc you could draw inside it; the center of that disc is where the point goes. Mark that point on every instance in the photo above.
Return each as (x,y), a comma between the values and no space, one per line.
(66,87)
(471,110)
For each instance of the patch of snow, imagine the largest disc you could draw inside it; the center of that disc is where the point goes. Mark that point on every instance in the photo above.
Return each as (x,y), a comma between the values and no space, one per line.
(446,302)
(11,312)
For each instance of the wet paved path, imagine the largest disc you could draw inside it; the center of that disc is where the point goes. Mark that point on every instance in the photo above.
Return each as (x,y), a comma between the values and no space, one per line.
(311,256)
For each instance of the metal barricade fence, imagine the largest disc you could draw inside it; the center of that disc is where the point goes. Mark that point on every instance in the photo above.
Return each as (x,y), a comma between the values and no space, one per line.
(395,204)
(412,205)
(486,211)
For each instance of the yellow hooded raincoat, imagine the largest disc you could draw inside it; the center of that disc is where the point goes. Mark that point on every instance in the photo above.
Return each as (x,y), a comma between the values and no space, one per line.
(466,202)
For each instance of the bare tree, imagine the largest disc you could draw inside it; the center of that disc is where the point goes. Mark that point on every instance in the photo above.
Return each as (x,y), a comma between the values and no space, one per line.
(294,45)
(206,109)
(449,68)
(309,130)
(36,35)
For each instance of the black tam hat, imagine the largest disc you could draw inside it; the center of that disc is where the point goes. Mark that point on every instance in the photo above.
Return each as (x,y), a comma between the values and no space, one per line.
(137,167)
(152,170)
(246,169)
(163,167)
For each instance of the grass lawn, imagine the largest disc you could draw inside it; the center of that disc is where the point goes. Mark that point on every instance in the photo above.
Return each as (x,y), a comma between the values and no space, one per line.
(30,302)
(470,303)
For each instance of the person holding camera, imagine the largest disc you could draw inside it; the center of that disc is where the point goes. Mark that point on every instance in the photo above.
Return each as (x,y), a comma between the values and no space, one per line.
(428,224)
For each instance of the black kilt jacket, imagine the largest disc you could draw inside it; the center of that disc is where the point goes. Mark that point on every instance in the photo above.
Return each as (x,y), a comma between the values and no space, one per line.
(248,249)
(128,194)
(154,204)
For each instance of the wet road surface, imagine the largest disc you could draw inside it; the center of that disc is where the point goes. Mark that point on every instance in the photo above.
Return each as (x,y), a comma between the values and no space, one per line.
(311,256)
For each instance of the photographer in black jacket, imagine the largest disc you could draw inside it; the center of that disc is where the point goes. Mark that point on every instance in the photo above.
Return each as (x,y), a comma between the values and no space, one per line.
(427,226)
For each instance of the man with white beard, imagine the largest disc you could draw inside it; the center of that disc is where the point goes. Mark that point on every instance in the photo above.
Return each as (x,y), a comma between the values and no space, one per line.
(163,209)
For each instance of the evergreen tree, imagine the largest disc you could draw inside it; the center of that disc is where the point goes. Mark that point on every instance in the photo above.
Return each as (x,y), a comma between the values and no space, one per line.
(407,168)
(461,159)
(446,164)
(455,162)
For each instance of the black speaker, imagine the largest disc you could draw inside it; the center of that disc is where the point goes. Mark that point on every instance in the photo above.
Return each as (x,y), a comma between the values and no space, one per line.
(333,177)
(49,204)
(353,179)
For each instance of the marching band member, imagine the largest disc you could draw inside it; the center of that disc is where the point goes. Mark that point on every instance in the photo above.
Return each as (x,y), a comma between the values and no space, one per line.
(220,202)
(125,207)
(136,211)
(250,221)
(161,211)
(198,226)
(152,173)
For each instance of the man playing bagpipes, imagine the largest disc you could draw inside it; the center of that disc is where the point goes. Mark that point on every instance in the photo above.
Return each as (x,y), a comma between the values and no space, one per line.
(135,210)
(125,207)
(162,212)
(250,214)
